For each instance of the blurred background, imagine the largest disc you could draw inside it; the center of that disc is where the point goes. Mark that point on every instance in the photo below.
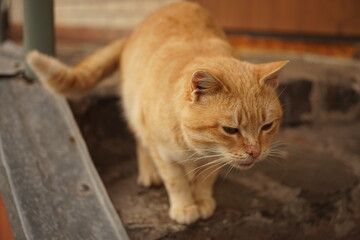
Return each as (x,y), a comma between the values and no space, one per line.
(329,27)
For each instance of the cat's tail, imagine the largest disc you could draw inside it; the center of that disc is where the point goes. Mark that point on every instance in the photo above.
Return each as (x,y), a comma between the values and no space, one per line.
(77,80)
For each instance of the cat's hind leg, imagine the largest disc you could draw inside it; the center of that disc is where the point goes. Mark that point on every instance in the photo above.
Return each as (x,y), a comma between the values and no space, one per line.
(148,174)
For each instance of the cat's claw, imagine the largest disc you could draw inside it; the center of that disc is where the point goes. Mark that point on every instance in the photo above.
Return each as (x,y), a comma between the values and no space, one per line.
(149,179)
(185,215)
(206,207)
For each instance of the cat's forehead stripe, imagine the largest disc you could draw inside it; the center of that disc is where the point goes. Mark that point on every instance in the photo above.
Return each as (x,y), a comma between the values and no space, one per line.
(251,115)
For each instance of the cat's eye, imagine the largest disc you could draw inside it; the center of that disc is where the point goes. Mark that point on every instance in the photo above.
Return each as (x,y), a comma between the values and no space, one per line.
(266,126)
(230,130)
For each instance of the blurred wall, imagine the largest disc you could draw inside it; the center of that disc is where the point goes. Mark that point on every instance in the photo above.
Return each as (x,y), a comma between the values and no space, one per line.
(296,17)
(103,20)
(105,14)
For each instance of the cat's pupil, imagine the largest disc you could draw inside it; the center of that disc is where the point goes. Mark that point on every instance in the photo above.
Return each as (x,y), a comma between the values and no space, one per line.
(230,130)
(267,126)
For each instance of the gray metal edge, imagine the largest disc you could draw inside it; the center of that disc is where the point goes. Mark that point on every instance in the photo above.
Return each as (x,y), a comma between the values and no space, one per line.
(7,185)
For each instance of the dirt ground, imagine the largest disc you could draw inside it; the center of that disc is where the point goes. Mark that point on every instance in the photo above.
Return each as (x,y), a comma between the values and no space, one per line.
(311,192)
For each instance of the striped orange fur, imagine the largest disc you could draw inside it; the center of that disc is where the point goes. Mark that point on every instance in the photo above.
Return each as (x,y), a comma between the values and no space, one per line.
(193,106)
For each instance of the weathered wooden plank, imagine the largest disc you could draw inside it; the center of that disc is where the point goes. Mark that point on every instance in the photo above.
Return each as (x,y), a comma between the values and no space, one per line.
(47,179)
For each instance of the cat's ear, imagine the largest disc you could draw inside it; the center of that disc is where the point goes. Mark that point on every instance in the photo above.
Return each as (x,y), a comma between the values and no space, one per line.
(269,72)
(204,83)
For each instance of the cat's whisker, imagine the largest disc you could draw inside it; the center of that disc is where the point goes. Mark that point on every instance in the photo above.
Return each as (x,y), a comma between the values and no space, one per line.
(208,156)
(208,165)
(202,166)
(201,157)
(201,171)
(275,163)
(216,170)
(226,163)
(189,158)
(284,144)
(277,148)
(278,140)
(215,164)
(276,156)
(195,152)
(231,167)
(183,150)
(279,152)
(279,145)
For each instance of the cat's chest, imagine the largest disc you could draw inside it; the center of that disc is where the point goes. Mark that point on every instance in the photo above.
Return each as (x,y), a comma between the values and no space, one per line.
(176,154)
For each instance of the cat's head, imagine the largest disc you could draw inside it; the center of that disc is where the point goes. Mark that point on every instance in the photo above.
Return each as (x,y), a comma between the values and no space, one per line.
(233,111)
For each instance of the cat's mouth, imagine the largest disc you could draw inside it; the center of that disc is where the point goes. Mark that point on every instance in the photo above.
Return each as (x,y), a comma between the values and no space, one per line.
(244,164)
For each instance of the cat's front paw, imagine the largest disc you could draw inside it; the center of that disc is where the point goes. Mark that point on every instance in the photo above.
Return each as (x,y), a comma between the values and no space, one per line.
(206,207)
(185,215)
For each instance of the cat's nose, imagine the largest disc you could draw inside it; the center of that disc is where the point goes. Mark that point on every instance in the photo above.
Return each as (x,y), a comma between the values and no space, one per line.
(253,150)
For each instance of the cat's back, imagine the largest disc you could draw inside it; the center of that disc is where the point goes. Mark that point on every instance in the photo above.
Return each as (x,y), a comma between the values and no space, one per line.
(181,17)
(185,21)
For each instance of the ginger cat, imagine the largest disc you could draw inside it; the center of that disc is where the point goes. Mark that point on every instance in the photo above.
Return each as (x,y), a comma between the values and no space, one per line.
(193,106)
